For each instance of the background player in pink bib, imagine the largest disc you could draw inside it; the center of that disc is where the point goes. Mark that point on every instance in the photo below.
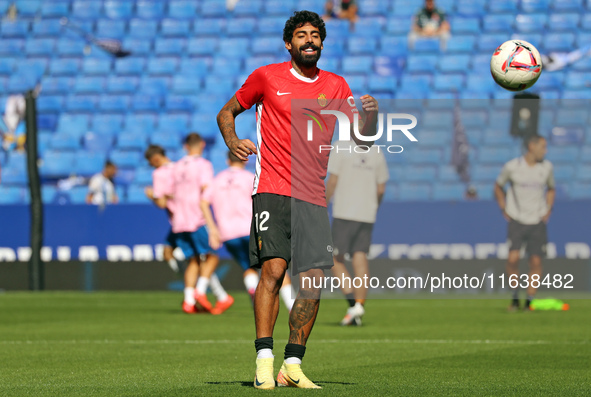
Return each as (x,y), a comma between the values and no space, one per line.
(230,197)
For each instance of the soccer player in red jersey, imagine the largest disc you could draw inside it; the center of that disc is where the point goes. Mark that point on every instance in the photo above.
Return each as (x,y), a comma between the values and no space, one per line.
(290,221)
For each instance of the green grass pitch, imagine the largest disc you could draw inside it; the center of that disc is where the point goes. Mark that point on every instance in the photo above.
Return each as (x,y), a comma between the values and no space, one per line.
(141,344)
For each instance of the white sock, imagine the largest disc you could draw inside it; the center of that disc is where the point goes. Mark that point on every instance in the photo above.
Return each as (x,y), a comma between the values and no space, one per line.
(293,360)
(202,285)
(251,281)
(190,295)
(173,264)
(265,353)
(217,289)
(287,294)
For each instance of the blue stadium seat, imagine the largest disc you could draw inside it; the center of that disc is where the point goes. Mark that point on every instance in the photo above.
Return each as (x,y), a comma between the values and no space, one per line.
(209,27)
(427,45)
(130,65)
(88,163)
(485,173)
(333,47)
(311,5)
(564,22)
(143,102)
(271,25)
(40,47)
(57,85)
(226,67)
(474,118)
(421,63)
(527,23)
(70,47)
(143,29)
(373,8)
(47,104)
(248,8)
(182,9)
(567,5)
(14,175)
(124,85)
(166,140)
(162,66)
(495,155)
(583,173)
(55,8)
(449,191)
(81,103)
(241,27)
(143,176)
(480,83)
(202,46)
(535,5)
(234,48)
(131,141)
(576,94)
(137,195)
(89,85)
(157,85)
(454,63)
(47,121)
(110,29)
(95,66)
(502,6)
(182,84)
(168,46)
(369,27)
(440,119)
(424,156)
(469,8)
(32,67)
(559,42)
(578,190)
(357,83)
(77,194)
(47,27)
(86,9)
(498,22)
(465,25)
(360,64)
(57,164)
(206,124)
(564,172)
(12,47)
(461,43)
(107,124)
(449,82)
(95,143)
(398,26)
(173,123)
(448,173)
(17,28)
(64,141)
(490,41)
(213,8)
(563,154)
(114,103)
(73,124)
(218,85)
(420,173)
(278,7)
(126,158)
(182,103)
(267,45)
(404,9)
(583,39)
(386,84)
(414,192)
(250,64)
(586,22)
(141,123)
(149,9)
(12,195)
(174,28)
(572,117)
(118,9)
(139,46)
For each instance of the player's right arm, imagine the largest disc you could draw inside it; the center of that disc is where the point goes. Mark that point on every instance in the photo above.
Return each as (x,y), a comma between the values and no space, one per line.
(241,148)
(212,229)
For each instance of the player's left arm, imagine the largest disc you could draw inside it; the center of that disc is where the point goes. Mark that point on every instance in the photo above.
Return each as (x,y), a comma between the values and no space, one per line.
(159,201)
(369,120)
(550,195)
(212,229)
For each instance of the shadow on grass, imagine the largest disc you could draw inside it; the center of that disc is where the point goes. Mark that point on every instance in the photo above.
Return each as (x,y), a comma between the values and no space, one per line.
(249,384)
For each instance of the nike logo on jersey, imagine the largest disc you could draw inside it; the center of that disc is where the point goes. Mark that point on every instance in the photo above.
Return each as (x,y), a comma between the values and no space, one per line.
(282,93)
(256,381)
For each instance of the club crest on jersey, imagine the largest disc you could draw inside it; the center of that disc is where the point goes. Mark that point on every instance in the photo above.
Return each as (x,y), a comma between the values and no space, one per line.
(322,101)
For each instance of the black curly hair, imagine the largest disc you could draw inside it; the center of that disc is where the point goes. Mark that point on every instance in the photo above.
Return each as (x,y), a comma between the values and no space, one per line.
(299,19)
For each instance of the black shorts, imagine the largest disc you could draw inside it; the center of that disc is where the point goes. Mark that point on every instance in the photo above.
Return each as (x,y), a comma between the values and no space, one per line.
(351,236)
(295,230)
(535,237)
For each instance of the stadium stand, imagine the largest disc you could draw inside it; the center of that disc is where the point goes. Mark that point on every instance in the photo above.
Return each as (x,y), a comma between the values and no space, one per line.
(190,56)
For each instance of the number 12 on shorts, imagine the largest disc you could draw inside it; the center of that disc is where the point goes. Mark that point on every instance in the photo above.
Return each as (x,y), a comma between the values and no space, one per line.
(264,217)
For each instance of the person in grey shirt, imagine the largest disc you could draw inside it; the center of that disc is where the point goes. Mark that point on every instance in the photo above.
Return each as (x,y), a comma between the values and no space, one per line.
(357,182)
(527,207)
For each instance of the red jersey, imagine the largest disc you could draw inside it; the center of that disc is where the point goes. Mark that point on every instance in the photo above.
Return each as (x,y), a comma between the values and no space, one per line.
(289,162)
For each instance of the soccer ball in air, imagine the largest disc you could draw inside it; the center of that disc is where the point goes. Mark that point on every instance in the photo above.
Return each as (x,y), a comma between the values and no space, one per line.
(516,65)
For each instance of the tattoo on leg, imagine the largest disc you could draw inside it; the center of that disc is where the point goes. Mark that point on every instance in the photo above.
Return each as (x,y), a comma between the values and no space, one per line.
(301,320)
